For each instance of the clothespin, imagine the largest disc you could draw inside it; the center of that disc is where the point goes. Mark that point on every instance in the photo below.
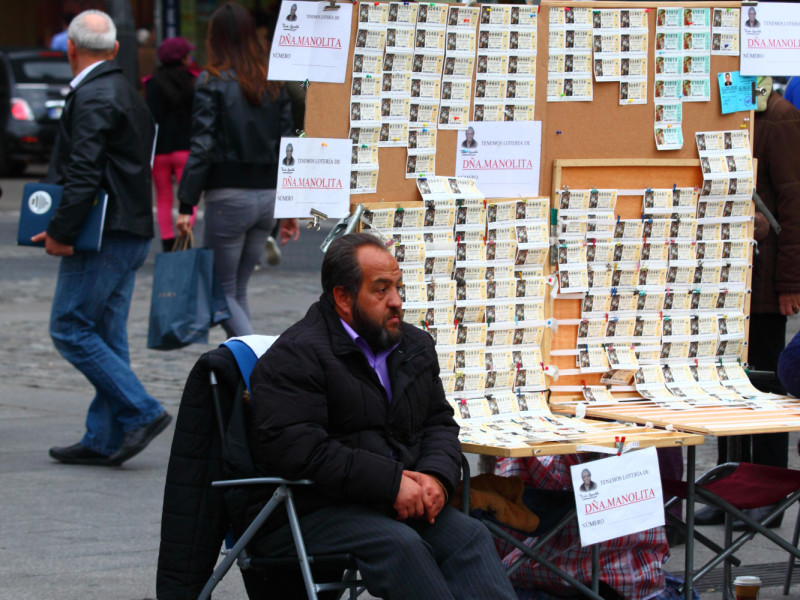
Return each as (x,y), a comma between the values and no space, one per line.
(307,83)
(620,442)
(364,146)
(455,322)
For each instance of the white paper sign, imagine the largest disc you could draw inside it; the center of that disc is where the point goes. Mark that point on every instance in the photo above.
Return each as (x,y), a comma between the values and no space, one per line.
(311,43)
(502,157)
(618,496)
(313,173)
(770,39)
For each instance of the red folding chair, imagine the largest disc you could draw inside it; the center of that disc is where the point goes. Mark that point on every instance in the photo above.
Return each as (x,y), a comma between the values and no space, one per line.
(734,487)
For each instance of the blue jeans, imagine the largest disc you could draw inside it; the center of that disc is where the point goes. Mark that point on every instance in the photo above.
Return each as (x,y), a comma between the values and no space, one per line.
(88,325)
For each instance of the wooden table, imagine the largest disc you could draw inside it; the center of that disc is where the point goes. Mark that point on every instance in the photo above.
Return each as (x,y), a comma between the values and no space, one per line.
(646,437)
(717,421)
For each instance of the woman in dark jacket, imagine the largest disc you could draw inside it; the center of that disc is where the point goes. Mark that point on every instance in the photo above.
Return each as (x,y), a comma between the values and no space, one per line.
(169,95)
(238,120)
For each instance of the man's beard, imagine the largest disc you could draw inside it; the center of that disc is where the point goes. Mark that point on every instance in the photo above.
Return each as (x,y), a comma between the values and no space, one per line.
(376,335)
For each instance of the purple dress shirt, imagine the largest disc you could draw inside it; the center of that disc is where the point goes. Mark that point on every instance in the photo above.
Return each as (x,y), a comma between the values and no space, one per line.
(376,361)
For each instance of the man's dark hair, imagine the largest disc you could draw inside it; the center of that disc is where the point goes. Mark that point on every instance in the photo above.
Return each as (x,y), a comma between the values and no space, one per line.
(340,266)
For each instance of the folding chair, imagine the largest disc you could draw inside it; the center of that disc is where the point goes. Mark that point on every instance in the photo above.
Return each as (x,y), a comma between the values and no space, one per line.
(734,487)
(233,432)
(562,504)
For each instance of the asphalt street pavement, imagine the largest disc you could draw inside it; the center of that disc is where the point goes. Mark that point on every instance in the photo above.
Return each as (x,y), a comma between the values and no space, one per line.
(92,533)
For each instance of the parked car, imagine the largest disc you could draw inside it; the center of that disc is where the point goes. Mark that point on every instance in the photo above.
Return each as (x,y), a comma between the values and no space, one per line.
(33,85)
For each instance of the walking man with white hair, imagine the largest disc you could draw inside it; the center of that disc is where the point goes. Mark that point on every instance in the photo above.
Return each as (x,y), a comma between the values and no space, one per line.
(104,142)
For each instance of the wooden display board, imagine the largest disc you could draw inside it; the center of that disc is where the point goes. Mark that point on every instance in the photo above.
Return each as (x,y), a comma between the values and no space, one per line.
(599,129)
(621,174)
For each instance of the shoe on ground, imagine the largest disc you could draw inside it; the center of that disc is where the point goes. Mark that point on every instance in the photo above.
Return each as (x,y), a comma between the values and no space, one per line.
(136,440)
(273,251)
(78,454)
(709,516)
(758,514)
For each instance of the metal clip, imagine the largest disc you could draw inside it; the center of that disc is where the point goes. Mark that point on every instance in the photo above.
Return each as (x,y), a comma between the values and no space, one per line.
(317,217)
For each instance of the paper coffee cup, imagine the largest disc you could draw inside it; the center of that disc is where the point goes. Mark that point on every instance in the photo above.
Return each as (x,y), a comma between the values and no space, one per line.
(747,587)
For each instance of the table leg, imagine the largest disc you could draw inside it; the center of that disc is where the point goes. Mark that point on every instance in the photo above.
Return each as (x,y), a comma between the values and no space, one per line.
(595,568)
(726,566)
(688,573)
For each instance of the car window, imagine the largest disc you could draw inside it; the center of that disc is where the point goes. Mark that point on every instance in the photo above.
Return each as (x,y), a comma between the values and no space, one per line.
(42,70)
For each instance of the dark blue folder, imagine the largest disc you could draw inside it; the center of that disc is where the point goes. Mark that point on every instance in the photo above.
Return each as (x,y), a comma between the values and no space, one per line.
(39,203)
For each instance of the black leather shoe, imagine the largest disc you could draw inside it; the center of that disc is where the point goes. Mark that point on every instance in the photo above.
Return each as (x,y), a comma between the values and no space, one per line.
(77,454)
(709,516)
(137,440)
(758,514)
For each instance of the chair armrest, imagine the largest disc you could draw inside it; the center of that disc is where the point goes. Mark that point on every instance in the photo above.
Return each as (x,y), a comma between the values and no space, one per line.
(260,481)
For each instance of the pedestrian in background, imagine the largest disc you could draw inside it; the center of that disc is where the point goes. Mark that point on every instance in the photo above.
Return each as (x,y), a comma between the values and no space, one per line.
(105,141)
(169,96)
(238,120)
(59,40)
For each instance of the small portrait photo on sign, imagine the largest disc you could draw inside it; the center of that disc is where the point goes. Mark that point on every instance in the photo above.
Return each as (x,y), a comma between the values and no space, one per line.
(588,485)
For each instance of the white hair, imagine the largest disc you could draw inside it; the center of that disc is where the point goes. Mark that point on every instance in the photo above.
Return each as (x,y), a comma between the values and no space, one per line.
(91,34)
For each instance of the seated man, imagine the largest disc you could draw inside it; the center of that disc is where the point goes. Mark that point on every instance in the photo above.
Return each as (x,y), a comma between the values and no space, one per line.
(350,397)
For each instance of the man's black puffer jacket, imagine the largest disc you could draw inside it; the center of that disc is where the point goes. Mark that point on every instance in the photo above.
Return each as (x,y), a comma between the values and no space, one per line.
(321,413)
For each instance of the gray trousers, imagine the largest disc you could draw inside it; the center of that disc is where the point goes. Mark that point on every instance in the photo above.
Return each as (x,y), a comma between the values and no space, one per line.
(237,224)
(452,559)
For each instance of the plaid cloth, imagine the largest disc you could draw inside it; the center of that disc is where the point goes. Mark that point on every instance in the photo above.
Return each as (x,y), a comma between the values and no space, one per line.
(631,564)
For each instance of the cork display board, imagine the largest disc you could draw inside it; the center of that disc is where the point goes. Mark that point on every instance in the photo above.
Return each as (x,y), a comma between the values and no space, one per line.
(599,129)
